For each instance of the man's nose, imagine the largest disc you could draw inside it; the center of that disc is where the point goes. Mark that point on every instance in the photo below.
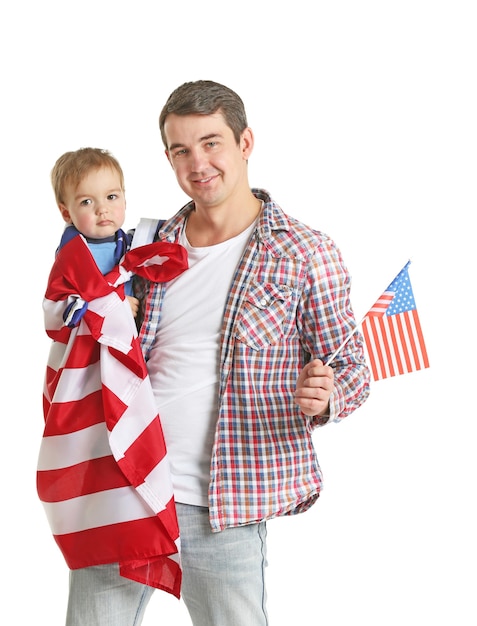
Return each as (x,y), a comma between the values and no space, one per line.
(198,160)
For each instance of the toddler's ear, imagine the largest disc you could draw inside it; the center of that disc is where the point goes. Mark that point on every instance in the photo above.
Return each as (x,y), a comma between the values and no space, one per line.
(65,214)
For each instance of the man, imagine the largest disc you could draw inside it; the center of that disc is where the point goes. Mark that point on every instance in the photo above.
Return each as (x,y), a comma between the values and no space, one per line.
(236,348)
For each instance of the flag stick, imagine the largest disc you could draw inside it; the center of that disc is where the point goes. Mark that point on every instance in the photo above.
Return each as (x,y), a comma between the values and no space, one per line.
(332,357)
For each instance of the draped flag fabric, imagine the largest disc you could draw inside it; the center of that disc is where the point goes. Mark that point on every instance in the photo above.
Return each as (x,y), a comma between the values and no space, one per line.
(103,474)
(392,331)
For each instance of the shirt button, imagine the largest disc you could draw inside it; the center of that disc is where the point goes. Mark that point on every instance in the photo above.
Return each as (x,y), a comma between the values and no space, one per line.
(264,302)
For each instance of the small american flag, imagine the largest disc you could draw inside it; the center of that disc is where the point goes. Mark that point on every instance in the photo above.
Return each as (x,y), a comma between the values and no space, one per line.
(392,331)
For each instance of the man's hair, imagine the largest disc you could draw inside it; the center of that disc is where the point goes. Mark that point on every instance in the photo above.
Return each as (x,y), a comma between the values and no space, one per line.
(72,167)
(205,97)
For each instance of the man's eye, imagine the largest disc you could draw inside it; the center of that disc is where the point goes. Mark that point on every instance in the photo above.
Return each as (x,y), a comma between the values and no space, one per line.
(211,144)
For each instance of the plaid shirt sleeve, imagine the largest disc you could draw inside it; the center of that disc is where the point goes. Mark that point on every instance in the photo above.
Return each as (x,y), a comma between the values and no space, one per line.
(325,319)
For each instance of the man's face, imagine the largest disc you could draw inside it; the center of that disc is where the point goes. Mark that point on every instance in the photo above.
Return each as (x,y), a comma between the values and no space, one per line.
(208,163)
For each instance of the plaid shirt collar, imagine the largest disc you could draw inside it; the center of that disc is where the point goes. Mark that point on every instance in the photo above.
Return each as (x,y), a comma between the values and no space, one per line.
(271,219)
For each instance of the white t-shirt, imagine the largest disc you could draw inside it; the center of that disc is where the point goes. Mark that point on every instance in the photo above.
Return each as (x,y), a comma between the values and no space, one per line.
(184,362)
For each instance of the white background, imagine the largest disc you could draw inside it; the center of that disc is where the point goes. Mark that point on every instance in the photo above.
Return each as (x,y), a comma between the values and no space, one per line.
(364,114)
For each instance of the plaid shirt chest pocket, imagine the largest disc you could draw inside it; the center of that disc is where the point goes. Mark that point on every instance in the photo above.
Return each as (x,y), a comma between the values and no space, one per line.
(263,316)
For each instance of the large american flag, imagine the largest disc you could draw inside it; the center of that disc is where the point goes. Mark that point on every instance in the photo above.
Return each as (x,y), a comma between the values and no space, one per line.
(103,474)
(392,331)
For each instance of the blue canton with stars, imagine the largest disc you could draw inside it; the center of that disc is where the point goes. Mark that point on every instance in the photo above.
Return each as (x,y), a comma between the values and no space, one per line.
(404,298)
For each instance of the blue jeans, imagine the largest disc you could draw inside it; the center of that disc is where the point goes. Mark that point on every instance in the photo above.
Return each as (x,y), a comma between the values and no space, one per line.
(223,580)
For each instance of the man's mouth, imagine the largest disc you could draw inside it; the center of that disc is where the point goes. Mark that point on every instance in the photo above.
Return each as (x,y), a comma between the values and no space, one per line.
(204,181)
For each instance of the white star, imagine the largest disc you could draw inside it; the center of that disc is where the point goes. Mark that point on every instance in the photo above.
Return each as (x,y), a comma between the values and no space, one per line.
(154,260)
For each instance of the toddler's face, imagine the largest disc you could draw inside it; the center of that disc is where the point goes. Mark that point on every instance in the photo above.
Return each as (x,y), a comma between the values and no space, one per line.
(97,205)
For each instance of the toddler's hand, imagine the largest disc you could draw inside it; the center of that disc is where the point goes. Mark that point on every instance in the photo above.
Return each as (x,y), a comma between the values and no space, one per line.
(134,304)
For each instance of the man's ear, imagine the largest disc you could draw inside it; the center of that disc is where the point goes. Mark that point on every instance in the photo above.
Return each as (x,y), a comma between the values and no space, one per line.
(65,214)
(246,143)
(166,152)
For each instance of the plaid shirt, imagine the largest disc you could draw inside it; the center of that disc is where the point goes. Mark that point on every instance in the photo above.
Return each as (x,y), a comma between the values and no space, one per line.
(288,303)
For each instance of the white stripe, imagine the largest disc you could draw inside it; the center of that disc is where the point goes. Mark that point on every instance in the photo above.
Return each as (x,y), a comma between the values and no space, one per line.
(53,313)
(392,324)
(118,328)
(139,414)
(370,345)
(403,343)
(65,450)
(56,355)
(382,373)
(98,509)
(122,381)
(383,334)
(157,490)
(407,345)
(419,363)
(78,383)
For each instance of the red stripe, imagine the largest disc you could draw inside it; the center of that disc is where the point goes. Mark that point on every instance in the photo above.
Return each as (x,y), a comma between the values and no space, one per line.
(84,352)
(144,454)
(62,335)
(105,544)
(169,518)
(420,338)
(387,346)
(393,340)
(46,407)
(51,380)
(411,342)
(378,340)
(133,360)
(403,343)
(381,305)
(69,417)
(395,344)
(113,408)
(161,572)
(94,322)
(80,479)
(368,343)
